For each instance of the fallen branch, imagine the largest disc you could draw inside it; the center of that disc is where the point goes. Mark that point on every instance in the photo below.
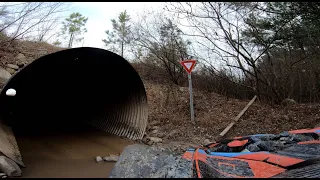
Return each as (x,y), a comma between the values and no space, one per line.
(226,130)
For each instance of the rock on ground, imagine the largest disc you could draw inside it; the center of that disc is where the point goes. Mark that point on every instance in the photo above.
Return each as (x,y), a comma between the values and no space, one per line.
(150,143)
(9,167)
(21,60)
(20,64)
(12,66)
(99,159)
(4,75)
(111,158)
(11,71)
(155,139)
(20,57)
(206,141)
(141,161)
(155,131)
(155,128)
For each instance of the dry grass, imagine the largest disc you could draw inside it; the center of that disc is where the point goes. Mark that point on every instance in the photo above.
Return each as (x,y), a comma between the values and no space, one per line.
(33,47)
(214,112)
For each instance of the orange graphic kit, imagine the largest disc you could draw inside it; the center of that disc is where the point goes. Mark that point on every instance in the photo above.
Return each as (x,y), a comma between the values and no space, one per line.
(259,156)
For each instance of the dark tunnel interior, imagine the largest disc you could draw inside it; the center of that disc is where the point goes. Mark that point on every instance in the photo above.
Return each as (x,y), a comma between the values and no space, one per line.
(73,88)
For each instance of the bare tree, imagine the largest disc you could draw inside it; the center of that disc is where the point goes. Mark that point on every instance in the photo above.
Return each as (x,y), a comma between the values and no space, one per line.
(217,26)
(157,39)
(44,30)
(30,18)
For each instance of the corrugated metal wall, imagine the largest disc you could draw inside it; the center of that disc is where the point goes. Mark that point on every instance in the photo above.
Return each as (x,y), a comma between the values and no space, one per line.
(127,119)
(94,85)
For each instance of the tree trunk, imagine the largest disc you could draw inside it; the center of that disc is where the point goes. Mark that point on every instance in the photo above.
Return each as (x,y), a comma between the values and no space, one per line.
(70,41)
(122,44)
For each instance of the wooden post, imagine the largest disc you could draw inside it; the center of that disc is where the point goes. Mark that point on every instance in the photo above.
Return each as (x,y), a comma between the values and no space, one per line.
(226,130)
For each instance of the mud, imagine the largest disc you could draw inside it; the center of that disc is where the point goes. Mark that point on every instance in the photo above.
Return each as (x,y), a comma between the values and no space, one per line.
(68,153)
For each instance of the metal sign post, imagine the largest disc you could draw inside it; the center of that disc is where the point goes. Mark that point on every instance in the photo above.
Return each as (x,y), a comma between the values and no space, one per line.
(191,98)
(188,65)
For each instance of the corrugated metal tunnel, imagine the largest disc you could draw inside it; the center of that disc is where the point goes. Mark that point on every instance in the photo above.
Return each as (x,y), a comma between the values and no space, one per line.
(76,87)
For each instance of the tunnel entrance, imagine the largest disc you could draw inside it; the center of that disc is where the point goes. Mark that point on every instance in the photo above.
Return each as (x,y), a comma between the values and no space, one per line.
(80,93)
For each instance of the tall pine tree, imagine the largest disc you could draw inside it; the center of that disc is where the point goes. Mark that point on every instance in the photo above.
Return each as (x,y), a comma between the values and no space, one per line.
(120,34)
(74,26)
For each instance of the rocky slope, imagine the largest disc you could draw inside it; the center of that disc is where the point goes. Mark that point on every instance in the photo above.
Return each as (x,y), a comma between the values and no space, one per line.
(19,54)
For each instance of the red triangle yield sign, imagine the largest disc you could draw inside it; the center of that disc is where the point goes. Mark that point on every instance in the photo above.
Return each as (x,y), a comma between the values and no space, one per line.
(188,65)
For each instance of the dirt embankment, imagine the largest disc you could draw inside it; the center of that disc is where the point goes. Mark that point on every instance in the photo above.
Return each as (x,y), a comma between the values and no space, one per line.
(31,51)
(169,112)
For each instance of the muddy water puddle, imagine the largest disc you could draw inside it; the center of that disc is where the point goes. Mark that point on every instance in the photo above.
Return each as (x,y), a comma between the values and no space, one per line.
(68,154)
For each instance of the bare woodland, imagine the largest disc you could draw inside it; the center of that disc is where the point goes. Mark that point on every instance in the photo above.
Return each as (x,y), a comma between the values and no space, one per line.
(268,49)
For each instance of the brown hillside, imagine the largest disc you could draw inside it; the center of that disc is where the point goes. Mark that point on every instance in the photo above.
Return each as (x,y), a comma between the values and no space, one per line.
(169,107)
(31,50)
(214,112)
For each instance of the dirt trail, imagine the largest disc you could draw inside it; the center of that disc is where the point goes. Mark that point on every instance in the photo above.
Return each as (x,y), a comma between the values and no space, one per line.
(68,154)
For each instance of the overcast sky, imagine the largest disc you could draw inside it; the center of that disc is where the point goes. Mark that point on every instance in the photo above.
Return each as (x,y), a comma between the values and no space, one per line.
(100,14)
